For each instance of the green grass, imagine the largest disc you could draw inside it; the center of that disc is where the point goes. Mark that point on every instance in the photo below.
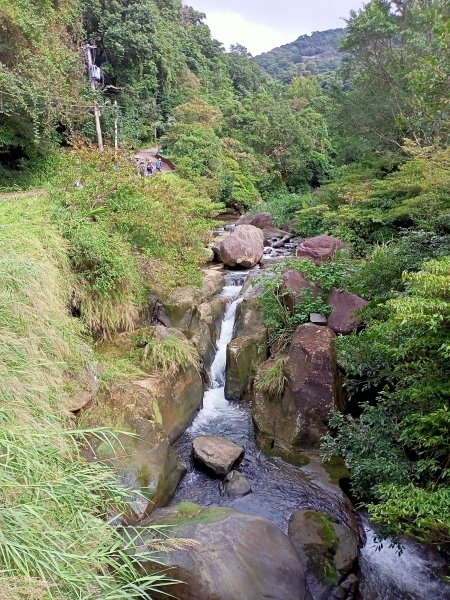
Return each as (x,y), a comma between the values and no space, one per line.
(168,354)
(271,378)
(55,541)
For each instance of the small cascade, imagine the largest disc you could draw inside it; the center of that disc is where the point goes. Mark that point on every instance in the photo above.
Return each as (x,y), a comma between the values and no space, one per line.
(392,574)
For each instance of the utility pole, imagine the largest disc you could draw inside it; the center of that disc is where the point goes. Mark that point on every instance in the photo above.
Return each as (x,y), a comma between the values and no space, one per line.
(116,128)
(98,127)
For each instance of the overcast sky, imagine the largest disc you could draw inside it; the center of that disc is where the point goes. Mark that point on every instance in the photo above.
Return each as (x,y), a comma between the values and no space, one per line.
(261,25)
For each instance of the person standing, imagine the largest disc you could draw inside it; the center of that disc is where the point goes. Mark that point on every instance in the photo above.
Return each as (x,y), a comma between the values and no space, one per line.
(159,166)
(150,168)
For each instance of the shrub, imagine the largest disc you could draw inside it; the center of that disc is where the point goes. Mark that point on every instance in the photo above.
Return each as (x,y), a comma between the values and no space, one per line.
(401,440)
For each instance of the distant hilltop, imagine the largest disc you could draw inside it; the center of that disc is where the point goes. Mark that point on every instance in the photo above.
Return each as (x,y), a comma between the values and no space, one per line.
(308,55)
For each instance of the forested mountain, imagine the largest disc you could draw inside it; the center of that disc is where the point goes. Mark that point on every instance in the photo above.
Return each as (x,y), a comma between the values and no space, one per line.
(89,249)
(308,55)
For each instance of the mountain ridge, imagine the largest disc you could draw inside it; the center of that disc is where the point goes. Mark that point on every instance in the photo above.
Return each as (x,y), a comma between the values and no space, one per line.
(312,54)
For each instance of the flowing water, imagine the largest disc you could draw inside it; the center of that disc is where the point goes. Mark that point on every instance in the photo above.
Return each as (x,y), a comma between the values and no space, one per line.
(279,489)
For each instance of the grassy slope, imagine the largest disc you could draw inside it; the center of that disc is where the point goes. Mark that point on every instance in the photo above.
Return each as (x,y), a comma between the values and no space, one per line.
(53,542)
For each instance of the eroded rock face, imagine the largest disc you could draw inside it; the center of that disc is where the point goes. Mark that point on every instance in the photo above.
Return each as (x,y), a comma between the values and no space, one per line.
(248,349)
(329,552)
(145,463)
(320,249)
(300,417)
(204,328)
(235,556)
(242,248)
(261,220)
(342,318)
(181,305)
(216,453)
(296,287)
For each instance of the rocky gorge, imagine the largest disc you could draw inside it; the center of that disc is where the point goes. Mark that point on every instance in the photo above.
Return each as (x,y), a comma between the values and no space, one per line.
(233,469)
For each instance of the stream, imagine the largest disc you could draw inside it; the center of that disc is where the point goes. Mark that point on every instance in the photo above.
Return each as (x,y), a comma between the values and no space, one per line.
(279,489)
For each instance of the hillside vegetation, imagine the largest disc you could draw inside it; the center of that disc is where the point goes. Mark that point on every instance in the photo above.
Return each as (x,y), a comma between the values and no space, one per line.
(313,54)
(364,158)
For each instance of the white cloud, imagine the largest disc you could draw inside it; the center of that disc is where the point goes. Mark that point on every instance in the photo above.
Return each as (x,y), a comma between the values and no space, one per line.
(231,28)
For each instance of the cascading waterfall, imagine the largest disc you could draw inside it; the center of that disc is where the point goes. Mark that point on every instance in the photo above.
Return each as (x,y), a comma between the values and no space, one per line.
(279,489)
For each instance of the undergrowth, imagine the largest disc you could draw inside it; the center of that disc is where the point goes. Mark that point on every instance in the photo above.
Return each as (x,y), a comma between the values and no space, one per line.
(55,541)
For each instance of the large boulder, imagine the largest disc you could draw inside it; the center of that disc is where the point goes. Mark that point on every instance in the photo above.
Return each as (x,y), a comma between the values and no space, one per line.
(242,248)
(141,455)
(261,220)
(300,417)
(329,552)
(320,249)
(295,287)
(248,348)
(182,303)
(229,556)
(342,318)
(216,453)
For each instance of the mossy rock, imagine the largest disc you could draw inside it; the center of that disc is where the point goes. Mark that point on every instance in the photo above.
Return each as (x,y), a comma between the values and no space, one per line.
(328,549)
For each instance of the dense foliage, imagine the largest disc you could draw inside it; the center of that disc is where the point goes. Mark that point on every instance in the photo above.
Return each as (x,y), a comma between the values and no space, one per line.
(308,55)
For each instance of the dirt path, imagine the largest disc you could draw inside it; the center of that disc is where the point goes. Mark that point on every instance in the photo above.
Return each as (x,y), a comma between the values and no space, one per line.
(150,154)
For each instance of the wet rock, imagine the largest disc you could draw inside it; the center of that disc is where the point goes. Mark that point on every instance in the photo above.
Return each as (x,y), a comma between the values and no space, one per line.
(300,417)
(233,556)
(145,463)
(242,248)
(171,399)
(317,319)
(295,285)
(329,552)
(320,249)
(157,313)
(204,328)
(248,349)
(272,234)
(216,453)
(235,485)
(261,220)
(342,318)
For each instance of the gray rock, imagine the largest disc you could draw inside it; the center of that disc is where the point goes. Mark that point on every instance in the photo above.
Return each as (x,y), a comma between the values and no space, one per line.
(232,556)
(243,248)
(216,453)
(317,319)
(328,550)
(235,485)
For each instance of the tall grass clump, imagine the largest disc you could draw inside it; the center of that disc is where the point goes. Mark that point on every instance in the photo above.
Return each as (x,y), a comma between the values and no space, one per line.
(55,541)
(271,378)
(169,354)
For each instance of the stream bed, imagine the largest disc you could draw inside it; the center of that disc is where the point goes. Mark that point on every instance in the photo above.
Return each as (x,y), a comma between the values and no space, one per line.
(279,489)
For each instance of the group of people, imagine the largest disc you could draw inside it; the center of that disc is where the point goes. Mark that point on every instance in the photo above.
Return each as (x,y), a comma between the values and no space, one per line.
(149,168)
